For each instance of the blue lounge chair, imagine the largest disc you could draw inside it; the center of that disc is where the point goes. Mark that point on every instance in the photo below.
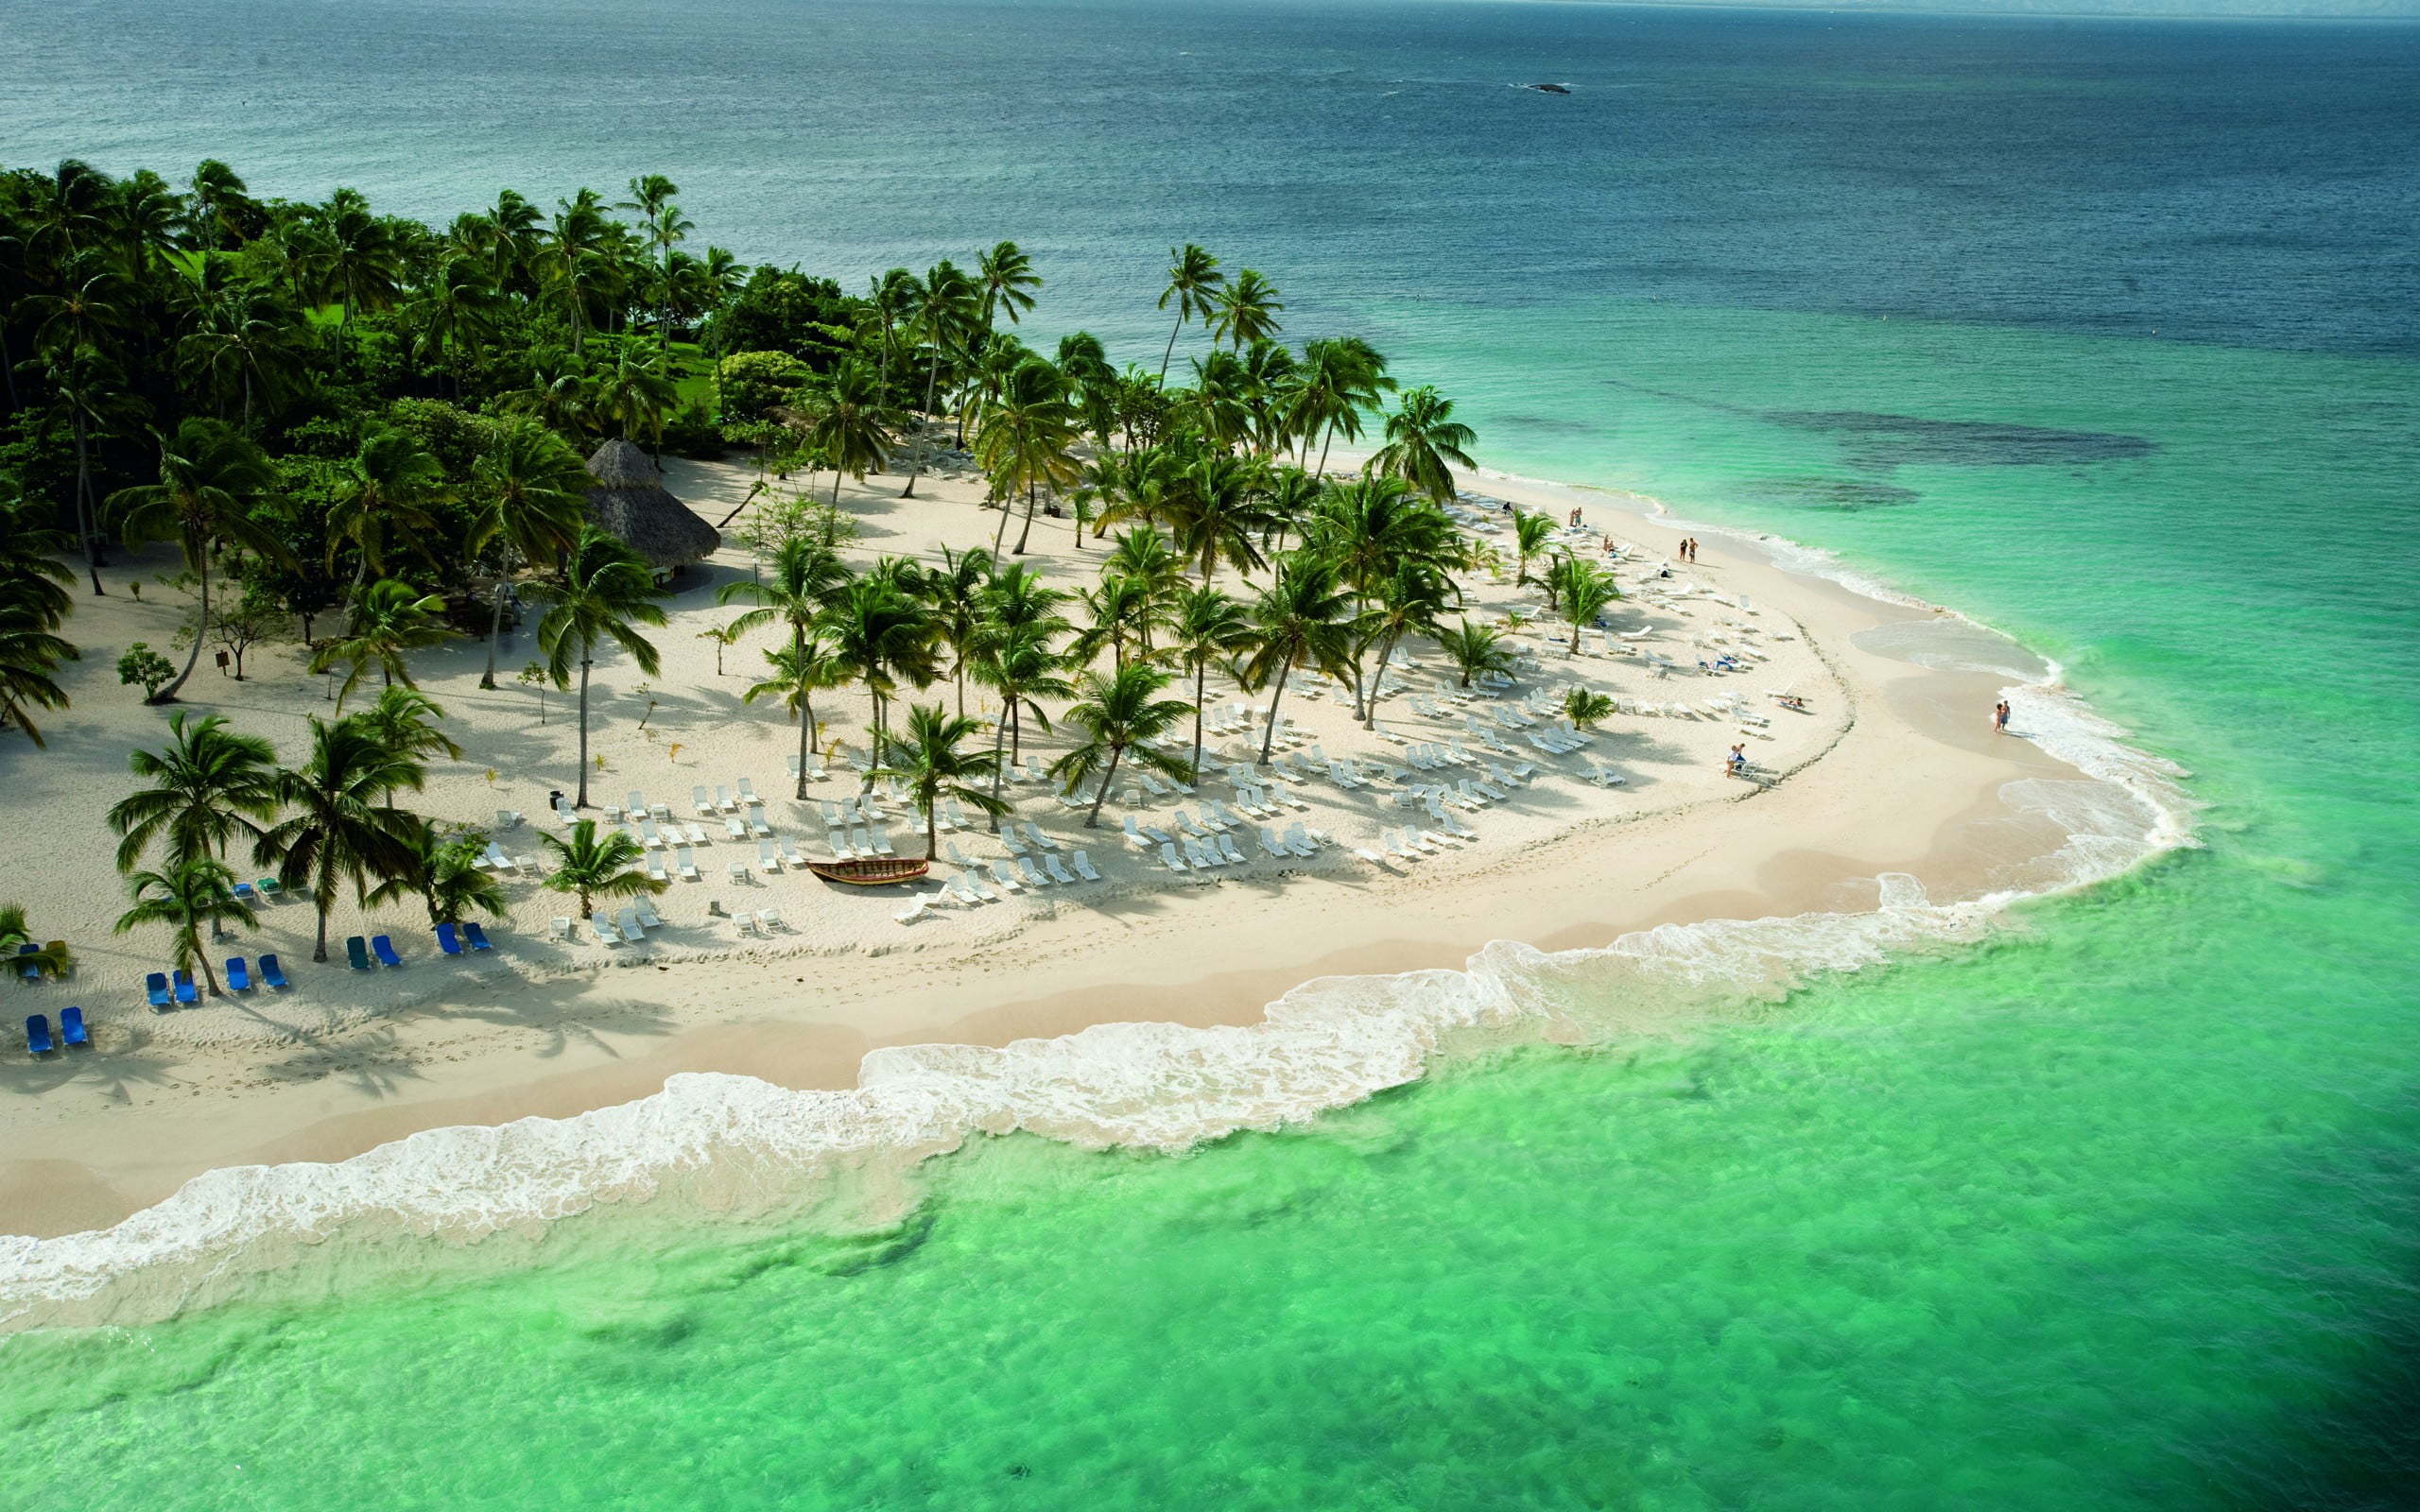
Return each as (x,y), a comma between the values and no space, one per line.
(38,1035)
(356,949)
(272,973)
(477,935)
(385,949)
(185,989)
(70,1026)
(238,980)
(29,973)
(446,940)
(156,986)
(246,891)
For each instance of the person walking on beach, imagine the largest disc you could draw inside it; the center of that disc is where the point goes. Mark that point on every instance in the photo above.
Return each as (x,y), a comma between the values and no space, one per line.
(1735,764)
(2000,717)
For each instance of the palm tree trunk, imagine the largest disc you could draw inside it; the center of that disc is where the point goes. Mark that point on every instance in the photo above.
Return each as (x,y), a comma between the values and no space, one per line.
(1323,446)
(932,827)
(319,900)
(1024,533)
(201,628)
(1268,737)
(1171,347)
(495,633)
(581,801)
(208,976)
(1092,820)
(85,523)
(1201,691)
(931,374)
(999,733)
(806,710)
(1371,721)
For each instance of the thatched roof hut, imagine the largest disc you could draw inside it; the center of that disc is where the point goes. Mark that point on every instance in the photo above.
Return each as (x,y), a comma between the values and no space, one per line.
(630,502)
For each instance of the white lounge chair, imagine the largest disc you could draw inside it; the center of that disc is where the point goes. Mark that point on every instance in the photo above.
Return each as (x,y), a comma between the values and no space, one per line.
(635,801)
(756,824)
(627,921)
(768,920)
(559,929)
(1226,843)
(696,834)
(649,835)
(698,799)
(1032,873)
(956,857)
(649,918)
(722,798)
(686,863)
(839,845)
(603,925)
(1013,841)
(1269,845)
(564,812)
(748,792)
(882,842)
(526,866)
(766,859)
(917,908)
(791,853)
(956,816)
(1167,856)
(733,828)
(1134,834)
(739,872)
(507,819)
(1006,878)
(655,866)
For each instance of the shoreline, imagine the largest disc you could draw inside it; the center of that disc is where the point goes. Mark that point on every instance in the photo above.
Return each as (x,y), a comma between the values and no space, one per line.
(1910,785)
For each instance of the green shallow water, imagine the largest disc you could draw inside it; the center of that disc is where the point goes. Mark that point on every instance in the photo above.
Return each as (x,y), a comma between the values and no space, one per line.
(2116,1209)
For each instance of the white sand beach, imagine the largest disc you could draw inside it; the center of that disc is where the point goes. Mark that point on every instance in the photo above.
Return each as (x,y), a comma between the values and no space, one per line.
(1890,767)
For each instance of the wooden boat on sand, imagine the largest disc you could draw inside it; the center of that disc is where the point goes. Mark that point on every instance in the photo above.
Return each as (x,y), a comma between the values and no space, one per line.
(871,871)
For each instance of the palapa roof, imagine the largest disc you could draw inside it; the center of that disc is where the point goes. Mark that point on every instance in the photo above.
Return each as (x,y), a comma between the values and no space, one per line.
(630,502)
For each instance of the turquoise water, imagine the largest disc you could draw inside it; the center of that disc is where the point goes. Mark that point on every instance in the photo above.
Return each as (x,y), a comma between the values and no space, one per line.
(2116,1210)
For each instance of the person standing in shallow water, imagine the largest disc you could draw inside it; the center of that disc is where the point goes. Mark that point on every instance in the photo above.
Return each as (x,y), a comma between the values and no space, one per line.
(2000,717)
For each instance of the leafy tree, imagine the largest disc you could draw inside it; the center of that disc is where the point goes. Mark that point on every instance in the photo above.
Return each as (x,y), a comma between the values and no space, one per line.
(533,496)
(340,825)
(1207,626)
(405,719)
(800,670)
(210,480)
(1248,310)
(1018,663)
(1475,651)
(53,960)
(606,593)
(928,760)
(446,876)
(1586,707)
(594,865)
(881,635)
(1582,590)
(1194,283)
(144,665)
(847,425)
(1026,439)
(1299,620)
(1424,443)
(806,577)
(1532,534)
(387,492)
(1120,715)
(210,785)
(389,617)
(28,655)
(187,896)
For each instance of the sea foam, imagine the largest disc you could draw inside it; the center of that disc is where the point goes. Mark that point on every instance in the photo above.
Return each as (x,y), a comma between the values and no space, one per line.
(1325,1044)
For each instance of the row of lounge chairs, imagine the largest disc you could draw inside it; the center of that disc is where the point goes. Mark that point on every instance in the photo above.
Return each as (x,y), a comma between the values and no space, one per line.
(71,1031)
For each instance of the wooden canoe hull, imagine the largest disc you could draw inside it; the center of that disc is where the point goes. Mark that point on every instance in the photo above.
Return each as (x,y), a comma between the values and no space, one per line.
(871,871)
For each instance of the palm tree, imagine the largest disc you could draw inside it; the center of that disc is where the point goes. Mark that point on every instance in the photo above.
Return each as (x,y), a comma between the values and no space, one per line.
(849,425)
(956,592)
(389,617)
(1026,440)
(1007,280)
(391,481)
(572,262)
(340,826)
(606,592)
(805,576)
(1581,588)
(928,760)
(1474,650)
(1207,626)
(664,227)
(1123,610)
(1019,665)
(1408,601)
(241,341)
(210,479)
(187,896)
(28,654)
(454,311)
(52,959)
(533,493)
(405,719)
(446,876)
(1194,281)
(208,786)
(881,635)
(634,395)
(1339,378)
(1215,510)
(1299,620)
(945,307)
(1144,555)
(1531,535)
(599,865)
(1423,438)
(799,671)
(356,258)
(1585,707)
(1120,715)
(1248,310)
